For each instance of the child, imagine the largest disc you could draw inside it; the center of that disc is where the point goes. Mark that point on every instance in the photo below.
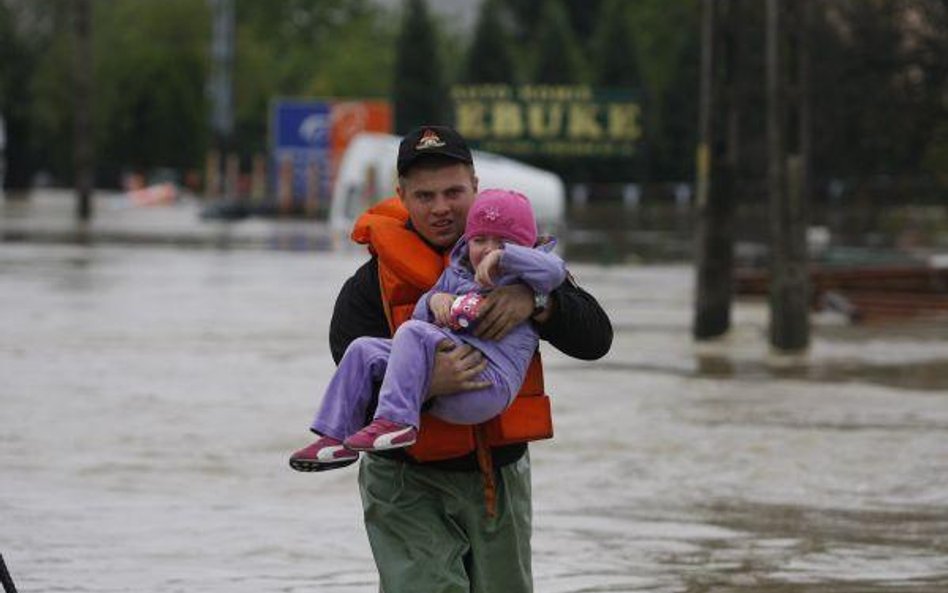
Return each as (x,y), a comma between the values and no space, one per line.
(497,249)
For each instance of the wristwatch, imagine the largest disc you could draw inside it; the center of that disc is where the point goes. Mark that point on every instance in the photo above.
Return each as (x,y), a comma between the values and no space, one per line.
(540,302)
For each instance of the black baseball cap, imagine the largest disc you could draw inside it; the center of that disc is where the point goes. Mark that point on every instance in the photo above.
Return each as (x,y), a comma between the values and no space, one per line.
(432,140)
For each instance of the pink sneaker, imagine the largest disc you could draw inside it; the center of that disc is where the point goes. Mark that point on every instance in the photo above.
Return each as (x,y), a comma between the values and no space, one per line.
(325,453)
(382,435)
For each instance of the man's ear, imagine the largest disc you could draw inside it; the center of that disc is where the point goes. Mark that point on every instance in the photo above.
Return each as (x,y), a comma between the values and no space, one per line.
(400,192)
(475,181)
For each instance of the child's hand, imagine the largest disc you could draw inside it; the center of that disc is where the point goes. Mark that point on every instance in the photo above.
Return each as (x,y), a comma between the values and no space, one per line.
(489,267)
(440,305)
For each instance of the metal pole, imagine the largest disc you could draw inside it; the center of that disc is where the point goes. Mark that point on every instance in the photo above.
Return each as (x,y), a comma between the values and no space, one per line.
(83,143)
(221,91)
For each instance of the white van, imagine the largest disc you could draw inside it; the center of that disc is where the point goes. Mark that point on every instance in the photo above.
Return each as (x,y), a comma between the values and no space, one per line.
(367,175)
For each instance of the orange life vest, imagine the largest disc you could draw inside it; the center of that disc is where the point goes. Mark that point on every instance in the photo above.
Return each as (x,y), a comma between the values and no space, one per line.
(409,267)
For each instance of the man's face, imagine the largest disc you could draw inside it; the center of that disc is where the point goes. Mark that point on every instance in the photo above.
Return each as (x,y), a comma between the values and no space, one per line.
(437,200)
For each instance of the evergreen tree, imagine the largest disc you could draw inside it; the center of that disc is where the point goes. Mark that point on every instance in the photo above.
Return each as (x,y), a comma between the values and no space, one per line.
(615,56)
(17,60)
(293,48)
(558,57)
(666,39)
(615,64)
(142,124)
(489,58)
(419,92)
(51,106)
(871,109)
(671,145)
(583,17)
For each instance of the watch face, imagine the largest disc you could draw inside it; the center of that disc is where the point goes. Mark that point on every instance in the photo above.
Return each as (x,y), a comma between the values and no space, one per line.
(539,301)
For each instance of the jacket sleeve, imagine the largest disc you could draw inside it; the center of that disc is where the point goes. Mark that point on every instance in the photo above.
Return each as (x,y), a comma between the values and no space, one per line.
(541,269)
(422,311)
(578,326)
(447,282)
(358,310)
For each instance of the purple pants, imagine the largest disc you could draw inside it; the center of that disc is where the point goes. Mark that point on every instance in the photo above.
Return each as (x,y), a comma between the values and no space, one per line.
(404,366)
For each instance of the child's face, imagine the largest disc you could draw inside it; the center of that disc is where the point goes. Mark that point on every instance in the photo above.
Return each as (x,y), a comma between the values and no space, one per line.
(481,245)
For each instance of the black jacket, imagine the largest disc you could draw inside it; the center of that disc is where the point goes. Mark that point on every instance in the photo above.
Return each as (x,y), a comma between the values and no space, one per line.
(578,327)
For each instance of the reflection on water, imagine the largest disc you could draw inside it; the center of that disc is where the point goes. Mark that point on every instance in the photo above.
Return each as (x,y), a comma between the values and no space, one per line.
(151,395)
(854,550)
(926,376)
(929,375)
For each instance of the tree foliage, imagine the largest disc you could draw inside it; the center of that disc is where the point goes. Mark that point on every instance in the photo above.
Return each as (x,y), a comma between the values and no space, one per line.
(51,118)
(419,91)
(151,66)
(557,58)
(582,15)
(879,84)
(306,48)
(615,56)
(152,112)
(489,58)
(25,30)
(878,81)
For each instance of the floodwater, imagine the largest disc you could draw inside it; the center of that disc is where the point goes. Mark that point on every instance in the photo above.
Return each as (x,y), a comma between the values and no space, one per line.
(150,397)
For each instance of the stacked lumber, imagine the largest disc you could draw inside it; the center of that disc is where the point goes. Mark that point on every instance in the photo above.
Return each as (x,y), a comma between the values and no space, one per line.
(866,293)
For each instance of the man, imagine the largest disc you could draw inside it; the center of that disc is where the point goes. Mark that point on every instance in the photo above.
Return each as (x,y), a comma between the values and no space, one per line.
(452,514)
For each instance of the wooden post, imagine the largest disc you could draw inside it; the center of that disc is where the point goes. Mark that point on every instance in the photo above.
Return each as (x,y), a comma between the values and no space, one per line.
(311,193)
(285,185)
(789,299)
(715,174)
(232,177)
(212,175)
(83,143)
(258,179)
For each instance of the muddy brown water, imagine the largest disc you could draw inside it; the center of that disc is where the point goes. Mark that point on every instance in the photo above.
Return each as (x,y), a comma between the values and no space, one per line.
(150,397)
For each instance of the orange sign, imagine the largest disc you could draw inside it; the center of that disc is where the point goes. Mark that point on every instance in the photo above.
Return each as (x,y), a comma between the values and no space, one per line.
(348,118)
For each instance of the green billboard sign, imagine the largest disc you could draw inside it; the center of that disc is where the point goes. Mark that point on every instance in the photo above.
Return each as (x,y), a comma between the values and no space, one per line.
(549,120)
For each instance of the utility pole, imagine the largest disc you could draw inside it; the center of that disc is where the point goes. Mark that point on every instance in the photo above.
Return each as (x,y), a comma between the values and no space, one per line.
(716,172)
(222,96)
(83,143)
(787,147)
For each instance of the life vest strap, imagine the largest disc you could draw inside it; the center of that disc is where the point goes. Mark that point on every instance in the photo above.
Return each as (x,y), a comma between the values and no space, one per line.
(485,462)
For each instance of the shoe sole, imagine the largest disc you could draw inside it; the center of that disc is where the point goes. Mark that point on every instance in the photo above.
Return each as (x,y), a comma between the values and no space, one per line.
(306,465)
(381,448)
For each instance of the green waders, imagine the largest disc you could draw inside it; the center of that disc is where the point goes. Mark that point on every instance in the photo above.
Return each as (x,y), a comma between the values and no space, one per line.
(430,532)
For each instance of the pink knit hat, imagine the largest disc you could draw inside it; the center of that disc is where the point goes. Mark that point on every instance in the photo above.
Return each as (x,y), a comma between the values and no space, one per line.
(504,213)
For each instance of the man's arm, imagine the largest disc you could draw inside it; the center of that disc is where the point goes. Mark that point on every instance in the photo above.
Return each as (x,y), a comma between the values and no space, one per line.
(358,311)
(575,323)
(422,307)
(538,267)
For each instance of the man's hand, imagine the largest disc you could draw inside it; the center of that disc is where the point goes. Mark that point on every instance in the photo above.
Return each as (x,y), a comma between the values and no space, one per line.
(503,309)
(456,369)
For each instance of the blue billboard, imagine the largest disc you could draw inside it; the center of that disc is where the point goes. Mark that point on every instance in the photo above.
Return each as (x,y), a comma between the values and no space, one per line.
(301,142)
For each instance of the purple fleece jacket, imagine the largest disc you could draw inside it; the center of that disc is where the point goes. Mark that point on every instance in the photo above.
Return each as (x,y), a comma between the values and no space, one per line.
(537,267)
